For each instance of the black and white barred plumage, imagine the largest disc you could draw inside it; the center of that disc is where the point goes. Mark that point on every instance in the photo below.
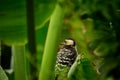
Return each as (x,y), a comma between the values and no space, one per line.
(67,54)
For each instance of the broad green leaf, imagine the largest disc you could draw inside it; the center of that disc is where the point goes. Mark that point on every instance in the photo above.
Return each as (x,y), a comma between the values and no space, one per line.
(13,27)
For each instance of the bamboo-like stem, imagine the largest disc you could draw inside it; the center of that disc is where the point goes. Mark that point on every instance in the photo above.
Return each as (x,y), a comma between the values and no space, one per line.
(49,56)
(31,26)
(19,62)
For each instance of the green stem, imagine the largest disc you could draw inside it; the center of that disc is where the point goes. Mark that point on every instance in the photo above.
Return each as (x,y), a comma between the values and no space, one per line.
(73,67)
(31,26)
(19,62)
(0,53)
(49,56)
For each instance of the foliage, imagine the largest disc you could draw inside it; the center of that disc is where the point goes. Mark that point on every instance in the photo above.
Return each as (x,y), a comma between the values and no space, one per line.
(49,55)
(13,19)
(94,24)
(3,76)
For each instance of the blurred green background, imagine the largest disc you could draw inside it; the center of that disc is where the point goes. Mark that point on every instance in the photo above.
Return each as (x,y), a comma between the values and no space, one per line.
(33,37)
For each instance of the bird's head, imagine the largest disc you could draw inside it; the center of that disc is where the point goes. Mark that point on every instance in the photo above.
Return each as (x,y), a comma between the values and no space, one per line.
(69,42)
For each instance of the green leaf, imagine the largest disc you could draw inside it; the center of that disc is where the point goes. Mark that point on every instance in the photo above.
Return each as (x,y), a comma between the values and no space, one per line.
(74,66)
(3,76)
(84,71)
(13,27)
(89,71)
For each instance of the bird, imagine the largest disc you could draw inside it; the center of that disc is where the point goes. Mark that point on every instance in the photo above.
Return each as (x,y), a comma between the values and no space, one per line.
(66,56)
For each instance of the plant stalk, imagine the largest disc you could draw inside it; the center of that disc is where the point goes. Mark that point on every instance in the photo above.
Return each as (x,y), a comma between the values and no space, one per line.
(50,51)
(19,62)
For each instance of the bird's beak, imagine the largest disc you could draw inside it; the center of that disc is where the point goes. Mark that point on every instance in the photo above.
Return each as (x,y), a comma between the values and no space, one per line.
(63,43)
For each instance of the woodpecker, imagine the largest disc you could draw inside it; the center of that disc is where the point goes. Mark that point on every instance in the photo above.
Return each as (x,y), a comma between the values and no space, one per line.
(66,56)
